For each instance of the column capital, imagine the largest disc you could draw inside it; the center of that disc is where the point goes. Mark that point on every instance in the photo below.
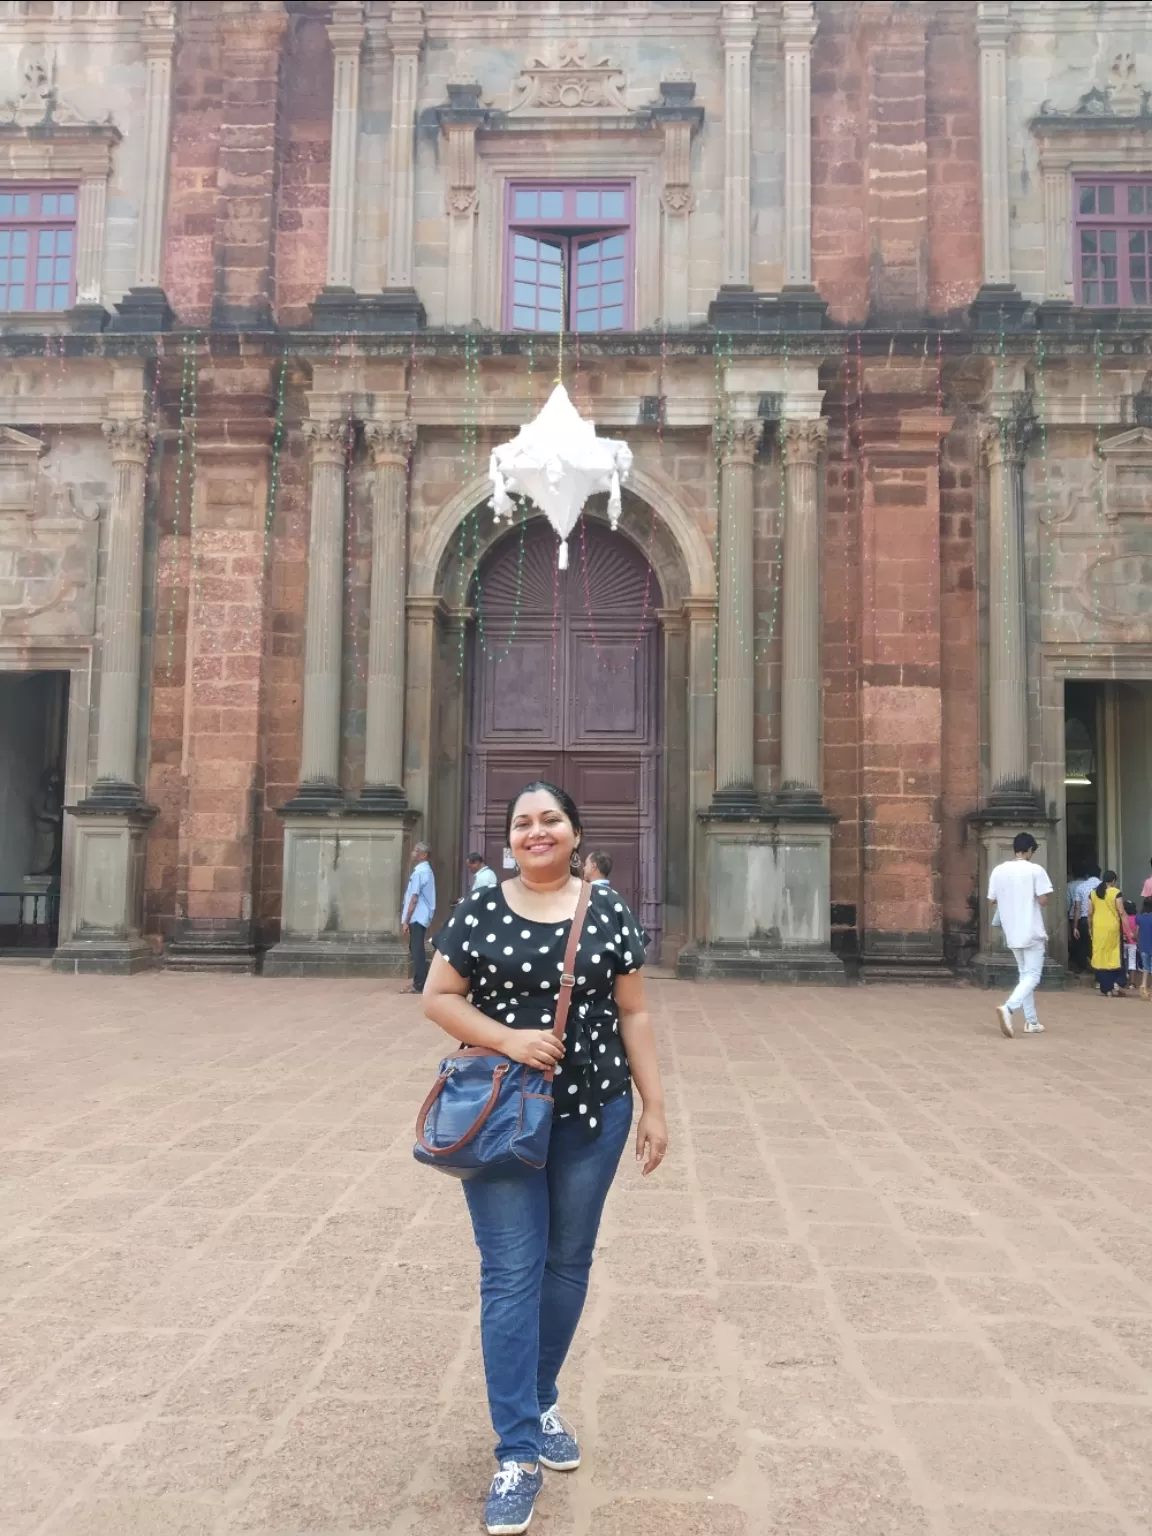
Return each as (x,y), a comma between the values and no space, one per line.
(738,23)
(1004,439)
(804,441)
(740,439)
(390,442)
(993,23)
(130,441)
(406,27)
(158,30)
(798,25)
(329,440)
(346,29)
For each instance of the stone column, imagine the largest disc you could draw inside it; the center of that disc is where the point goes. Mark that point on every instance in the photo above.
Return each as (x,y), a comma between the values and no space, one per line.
(458,124)
(323,636)
(737,32)
(346,34)
(797,29)
(1004,440)
(998,303)
(144,307)
(401,308)
(390,443)
(802,443)
(735,708)
(120,670)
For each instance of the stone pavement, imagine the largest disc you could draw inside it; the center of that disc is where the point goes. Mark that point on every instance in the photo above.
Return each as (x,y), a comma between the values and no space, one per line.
(895,1277)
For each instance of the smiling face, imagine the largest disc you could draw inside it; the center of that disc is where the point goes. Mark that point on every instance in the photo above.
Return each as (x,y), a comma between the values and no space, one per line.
(541,837)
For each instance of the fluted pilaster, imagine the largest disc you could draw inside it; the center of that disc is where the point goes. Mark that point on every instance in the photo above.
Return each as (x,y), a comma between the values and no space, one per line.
(802,443)
(120,671)
(323,637)
(735,706)
(1004,440)
(390,443)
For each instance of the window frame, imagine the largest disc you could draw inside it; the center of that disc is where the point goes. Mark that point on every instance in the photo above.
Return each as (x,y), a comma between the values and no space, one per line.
(570,231)
(1122,222)
(34,224)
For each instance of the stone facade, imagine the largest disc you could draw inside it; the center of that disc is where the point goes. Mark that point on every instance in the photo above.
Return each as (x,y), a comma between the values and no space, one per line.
(891,477)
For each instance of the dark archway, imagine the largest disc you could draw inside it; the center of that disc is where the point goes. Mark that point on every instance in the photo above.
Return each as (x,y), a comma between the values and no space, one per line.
(566,673)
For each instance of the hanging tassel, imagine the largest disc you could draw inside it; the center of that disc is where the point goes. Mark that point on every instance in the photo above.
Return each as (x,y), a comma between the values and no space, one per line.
(562,562)
(614,499)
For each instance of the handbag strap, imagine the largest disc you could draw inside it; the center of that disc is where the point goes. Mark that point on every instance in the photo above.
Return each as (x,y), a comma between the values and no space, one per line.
(568,975)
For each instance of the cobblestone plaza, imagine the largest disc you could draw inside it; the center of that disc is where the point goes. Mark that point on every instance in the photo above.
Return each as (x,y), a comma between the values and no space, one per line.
(895,1277)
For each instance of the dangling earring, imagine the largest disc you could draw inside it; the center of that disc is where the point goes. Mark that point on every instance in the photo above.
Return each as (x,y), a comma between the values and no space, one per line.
(574,862)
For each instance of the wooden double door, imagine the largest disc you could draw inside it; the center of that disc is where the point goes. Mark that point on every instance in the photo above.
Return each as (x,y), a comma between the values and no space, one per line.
(565,687)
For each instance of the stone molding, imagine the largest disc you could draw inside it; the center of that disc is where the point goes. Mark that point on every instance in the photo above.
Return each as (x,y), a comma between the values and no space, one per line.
(39,104)
(1127,461)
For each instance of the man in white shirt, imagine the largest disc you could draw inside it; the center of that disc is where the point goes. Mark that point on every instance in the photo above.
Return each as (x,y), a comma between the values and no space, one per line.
(483,878)
(1019,890)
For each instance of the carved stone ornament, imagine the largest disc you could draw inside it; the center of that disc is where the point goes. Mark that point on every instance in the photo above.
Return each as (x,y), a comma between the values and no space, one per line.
(328,439)
(804,440)
(1123,96)
(48,545)
(567,82)
(40,105)
(390,441)
(1127,463)
(129,440)
(740,439)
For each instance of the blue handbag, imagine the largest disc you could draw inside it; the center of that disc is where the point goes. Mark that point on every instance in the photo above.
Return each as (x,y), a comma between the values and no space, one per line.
(486,1113)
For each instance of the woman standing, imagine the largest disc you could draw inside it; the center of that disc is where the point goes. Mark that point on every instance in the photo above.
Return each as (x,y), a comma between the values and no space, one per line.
(1104,919)
(494,983)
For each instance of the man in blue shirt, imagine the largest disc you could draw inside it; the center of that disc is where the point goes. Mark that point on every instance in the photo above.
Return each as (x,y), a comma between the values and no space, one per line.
(419,905)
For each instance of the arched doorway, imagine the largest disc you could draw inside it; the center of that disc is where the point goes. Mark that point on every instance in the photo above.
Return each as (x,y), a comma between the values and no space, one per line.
(566,687)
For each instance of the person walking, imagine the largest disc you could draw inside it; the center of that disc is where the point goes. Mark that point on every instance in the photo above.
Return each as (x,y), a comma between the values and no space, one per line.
(1079,946)
(1106,905)
(1144,946)
(419,905)
(1019,890)
(1127,943)
(494,984)
(1146,892)
(483,878)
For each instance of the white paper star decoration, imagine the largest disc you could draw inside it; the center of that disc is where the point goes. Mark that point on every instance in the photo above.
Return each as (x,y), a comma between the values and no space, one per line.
(557,461)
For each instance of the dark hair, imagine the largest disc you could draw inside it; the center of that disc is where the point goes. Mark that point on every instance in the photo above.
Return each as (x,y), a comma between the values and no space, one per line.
(561,796)
(1102,888)
(1024,842)
(475,858)
(1146,904)
(602,861)
(1130,908)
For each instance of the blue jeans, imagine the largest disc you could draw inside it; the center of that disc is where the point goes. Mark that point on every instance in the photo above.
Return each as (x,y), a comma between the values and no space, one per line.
(536,1231)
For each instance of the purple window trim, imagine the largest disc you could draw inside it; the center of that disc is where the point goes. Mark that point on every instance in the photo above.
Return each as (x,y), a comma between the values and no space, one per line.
(565,227)
(1112,248)
(34,230)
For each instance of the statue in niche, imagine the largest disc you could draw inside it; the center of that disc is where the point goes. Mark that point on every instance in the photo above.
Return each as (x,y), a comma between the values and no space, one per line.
(48,817)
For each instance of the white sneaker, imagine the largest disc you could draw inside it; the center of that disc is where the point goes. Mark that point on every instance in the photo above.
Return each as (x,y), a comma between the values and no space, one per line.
(1003,1013)
(1035,1028)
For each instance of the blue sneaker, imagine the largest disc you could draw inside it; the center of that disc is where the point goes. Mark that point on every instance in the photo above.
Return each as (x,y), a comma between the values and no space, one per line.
(512,1499)
(559,1448)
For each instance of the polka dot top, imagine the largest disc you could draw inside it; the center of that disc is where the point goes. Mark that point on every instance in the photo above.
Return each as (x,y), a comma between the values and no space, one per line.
(515,964)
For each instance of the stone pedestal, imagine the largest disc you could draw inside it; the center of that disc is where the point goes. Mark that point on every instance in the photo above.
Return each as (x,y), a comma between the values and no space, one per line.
(766,887)
(107,888)
(994,965)
(344,879)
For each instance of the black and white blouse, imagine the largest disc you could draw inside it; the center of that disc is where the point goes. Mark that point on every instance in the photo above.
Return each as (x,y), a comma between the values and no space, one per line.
(515,964)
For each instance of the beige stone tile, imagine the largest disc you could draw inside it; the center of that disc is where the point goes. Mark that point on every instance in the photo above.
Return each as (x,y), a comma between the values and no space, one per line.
(1061,1359)
(660,1333)
(997,1296)
(660,1517)
(817,1490)
(931,1368)
(343,1465)
(892,1302)
(37,1475)
(186,1457)
(683,1439)
(1030,1522)
(253,1371)
(966,1256)
(110,1381)
(1117,1439)
(119,1516)
(661,1262)
(200,1295)
(863,1247)
(259,1236)
(781,1324)
(990,1451)
(761,1259)
(31,1346)
(804,1402)
(389,1352)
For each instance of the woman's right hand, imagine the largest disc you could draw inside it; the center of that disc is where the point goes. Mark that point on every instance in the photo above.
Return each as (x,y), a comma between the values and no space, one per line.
(537,1048)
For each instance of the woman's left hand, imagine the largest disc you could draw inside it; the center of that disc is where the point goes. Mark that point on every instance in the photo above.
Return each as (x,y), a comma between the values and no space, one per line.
(651,1140)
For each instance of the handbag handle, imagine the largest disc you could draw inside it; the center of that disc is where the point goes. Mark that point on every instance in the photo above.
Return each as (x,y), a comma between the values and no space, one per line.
(568,975)
(437,1090)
